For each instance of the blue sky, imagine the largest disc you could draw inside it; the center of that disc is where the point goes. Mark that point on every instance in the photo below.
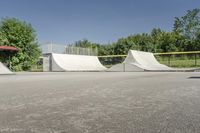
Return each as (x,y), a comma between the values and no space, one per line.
(101,21)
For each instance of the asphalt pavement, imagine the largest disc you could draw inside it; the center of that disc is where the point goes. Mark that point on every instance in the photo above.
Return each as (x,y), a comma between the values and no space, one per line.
(100,102)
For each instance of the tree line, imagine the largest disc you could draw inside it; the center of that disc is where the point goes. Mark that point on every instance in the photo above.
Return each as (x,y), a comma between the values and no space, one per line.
(185,36)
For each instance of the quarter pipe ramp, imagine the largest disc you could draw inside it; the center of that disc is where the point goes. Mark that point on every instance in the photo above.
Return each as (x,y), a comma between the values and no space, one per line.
(68,62)
(4,69)
(140,61)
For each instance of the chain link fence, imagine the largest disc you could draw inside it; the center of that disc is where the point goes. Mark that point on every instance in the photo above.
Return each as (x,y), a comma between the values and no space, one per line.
(173,59)
(179,59)
(64,49)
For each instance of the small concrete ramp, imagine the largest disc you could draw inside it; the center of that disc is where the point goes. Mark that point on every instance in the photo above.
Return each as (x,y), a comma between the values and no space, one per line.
(140,61)
(4,69)
(68,62)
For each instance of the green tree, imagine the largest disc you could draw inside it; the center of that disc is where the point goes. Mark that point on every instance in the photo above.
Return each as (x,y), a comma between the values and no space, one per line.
(85,44)
(156,35)
(196,43)
(177,26)
(188,25)
(3,39)
(106,49)
(121,46)
(22,36)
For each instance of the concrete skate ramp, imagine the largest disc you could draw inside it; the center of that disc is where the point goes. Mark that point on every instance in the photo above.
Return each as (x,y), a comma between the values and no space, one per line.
(140,61)
(68,62)
(4,69)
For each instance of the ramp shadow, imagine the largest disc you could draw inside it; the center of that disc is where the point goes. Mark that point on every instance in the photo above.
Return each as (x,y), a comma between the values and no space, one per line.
(194,77)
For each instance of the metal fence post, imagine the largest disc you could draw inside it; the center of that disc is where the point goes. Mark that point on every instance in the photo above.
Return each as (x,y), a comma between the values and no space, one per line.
(169,62)
(124,67)
(195,58)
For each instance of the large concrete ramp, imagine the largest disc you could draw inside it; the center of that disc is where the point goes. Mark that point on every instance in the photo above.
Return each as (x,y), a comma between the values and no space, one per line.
(140,61)
(68,62)
(4,69)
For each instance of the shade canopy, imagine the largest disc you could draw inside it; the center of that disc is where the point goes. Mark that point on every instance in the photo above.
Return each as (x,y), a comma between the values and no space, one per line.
(8,48)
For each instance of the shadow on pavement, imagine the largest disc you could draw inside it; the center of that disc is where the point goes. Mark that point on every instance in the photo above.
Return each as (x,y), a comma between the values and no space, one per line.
(194,77)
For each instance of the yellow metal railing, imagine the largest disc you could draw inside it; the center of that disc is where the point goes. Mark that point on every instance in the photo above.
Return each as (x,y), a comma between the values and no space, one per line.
(176,53)
(165,53)
(105,56)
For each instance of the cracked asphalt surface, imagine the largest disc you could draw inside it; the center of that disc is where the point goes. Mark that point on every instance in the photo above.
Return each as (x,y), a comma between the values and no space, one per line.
(100,102)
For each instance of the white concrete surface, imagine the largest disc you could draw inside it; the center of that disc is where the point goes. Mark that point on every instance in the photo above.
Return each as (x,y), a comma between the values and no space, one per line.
(67,62)
(4,69)
(140,61)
